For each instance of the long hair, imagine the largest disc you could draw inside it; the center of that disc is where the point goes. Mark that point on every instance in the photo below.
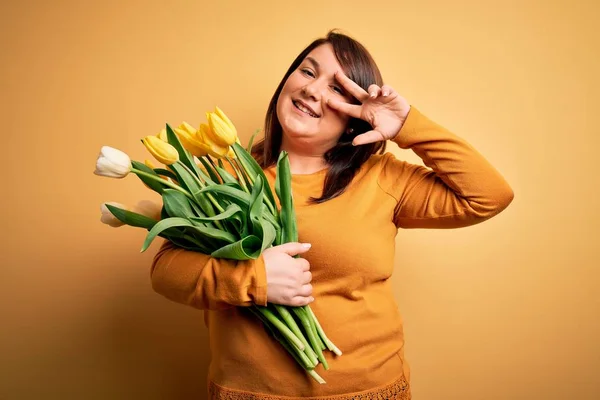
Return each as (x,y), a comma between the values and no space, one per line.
(344,159)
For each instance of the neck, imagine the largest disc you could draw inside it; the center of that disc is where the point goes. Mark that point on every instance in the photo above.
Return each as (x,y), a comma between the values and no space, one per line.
(304,161)
(302,164)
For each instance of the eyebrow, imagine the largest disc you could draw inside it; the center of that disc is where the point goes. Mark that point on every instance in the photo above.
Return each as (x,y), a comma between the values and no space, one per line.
(313,61)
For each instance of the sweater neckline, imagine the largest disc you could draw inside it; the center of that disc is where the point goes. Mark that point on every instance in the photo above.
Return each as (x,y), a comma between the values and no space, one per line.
(309,176)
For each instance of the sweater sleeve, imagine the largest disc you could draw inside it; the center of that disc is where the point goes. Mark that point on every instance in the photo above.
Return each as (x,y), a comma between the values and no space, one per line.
(460,187)
(204,282)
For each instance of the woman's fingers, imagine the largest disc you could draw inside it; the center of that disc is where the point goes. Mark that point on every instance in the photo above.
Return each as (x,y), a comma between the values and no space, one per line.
(374,91)
(352,87)
(386,90)
(300,301)
(306,277)
(305,290)
(352,110)
(368,137)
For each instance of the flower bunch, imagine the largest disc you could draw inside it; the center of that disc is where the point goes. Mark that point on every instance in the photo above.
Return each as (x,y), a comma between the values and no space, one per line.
(225,211)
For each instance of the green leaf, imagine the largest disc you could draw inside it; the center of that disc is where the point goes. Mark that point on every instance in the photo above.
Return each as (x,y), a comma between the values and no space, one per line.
(131,218)
(214,178)
(284,193)
(151,183)
(237,196)
(253,169)
(269,234)
(177,222)
(186,179)
(229,213)
(228,178)
(165,172)
(192,184)
(184,155)
(188,245)
(177,204)
(251,141)
(256,207)
(244,249)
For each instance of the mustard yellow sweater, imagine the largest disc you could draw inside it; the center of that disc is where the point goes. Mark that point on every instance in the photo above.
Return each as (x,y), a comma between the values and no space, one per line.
(352,259)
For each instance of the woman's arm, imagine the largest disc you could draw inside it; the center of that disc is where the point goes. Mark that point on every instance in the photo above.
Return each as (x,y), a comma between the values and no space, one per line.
(204,282)
(462,188)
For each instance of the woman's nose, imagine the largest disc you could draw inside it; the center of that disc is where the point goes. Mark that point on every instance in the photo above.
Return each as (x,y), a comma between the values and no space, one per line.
(311,90)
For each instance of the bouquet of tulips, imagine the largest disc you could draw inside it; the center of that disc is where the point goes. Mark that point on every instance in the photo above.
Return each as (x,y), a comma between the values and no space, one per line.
(225,211)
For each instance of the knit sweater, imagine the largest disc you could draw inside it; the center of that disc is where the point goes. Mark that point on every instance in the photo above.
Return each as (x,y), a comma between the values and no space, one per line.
(351,259)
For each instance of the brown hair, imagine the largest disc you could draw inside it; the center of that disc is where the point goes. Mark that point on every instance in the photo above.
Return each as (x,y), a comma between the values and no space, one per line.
(344,159)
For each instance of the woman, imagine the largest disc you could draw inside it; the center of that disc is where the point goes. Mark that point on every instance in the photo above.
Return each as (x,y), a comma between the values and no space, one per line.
(332,114)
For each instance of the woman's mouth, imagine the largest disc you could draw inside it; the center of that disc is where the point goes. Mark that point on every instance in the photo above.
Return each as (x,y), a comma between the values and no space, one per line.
(304,108)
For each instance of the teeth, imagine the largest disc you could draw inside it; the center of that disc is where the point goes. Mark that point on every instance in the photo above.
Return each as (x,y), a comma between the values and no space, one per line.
(304,109)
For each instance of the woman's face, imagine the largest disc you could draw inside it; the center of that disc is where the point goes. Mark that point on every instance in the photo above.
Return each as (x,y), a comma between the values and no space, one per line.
(308,123)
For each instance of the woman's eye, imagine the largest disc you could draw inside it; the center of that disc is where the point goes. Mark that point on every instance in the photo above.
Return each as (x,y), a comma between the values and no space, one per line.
(308,72)
(338,90)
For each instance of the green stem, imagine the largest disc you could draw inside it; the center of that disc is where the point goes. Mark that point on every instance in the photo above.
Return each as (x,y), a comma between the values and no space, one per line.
(244,173)
(316,376)
(163,181)
(304,319)
(298,355)
(209,170)
(210,197)
(210,160)
(285,331)
(250,183)
(241,178)
(328,342)
(291,323)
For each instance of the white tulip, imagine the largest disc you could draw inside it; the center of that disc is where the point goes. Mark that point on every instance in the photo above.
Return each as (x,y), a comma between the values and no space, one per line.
(112,163)
(148,208)
(108,218)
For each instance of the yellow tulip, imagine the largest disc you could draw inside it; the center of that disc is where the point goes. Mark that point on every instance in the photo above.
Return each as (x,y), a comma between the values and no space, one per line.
(190,141)
(188,128)
(231,153)
(222,129)
(162,135)
(162,151)
(149,164)
(214,149)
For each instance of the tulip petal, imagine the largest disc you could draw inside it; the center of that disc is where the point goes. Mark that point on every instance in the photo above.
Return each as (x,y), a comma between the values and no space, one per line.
(162,151)
(108,218)
(117,156)
(223,134)
(112,163)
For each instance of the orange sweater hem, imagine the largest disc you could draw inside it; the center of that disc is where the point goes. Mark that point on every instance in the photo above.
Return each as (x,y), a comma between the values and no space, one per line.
(398,390)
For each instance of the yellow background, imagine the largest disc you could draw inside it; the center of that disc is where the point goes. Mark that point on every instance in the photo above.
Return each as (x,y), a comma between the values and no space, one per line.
(504,310)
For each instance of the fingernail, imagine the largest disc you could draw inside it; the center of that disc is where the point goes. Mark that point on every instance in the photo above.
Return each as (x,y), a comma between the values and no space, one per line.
(385,93)
(311,299)
(326,101)
(306,245)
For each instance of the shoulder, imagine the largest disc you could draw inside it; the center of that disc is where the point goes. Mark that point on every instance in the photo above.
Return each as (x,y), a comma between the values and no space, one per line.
(383,164)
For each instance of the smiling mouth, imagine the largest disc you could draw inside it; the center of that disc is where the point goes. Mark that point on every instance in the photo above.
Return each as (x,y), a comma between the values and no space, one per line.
(304,109)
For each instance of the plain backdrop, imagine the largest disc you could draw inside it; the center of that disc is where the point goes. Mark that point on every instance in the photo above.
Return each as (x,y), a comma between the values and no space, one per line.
(503,310)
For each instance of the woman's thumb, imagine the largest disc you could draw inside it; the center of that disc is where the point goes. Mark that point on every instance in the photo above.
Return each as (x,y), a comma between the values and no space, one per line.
(294,248)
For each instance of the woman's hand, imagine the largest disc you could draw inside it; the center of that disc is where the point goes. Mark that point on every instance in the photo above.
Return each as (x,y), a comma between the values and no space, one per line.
(382,107)
(288,278)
